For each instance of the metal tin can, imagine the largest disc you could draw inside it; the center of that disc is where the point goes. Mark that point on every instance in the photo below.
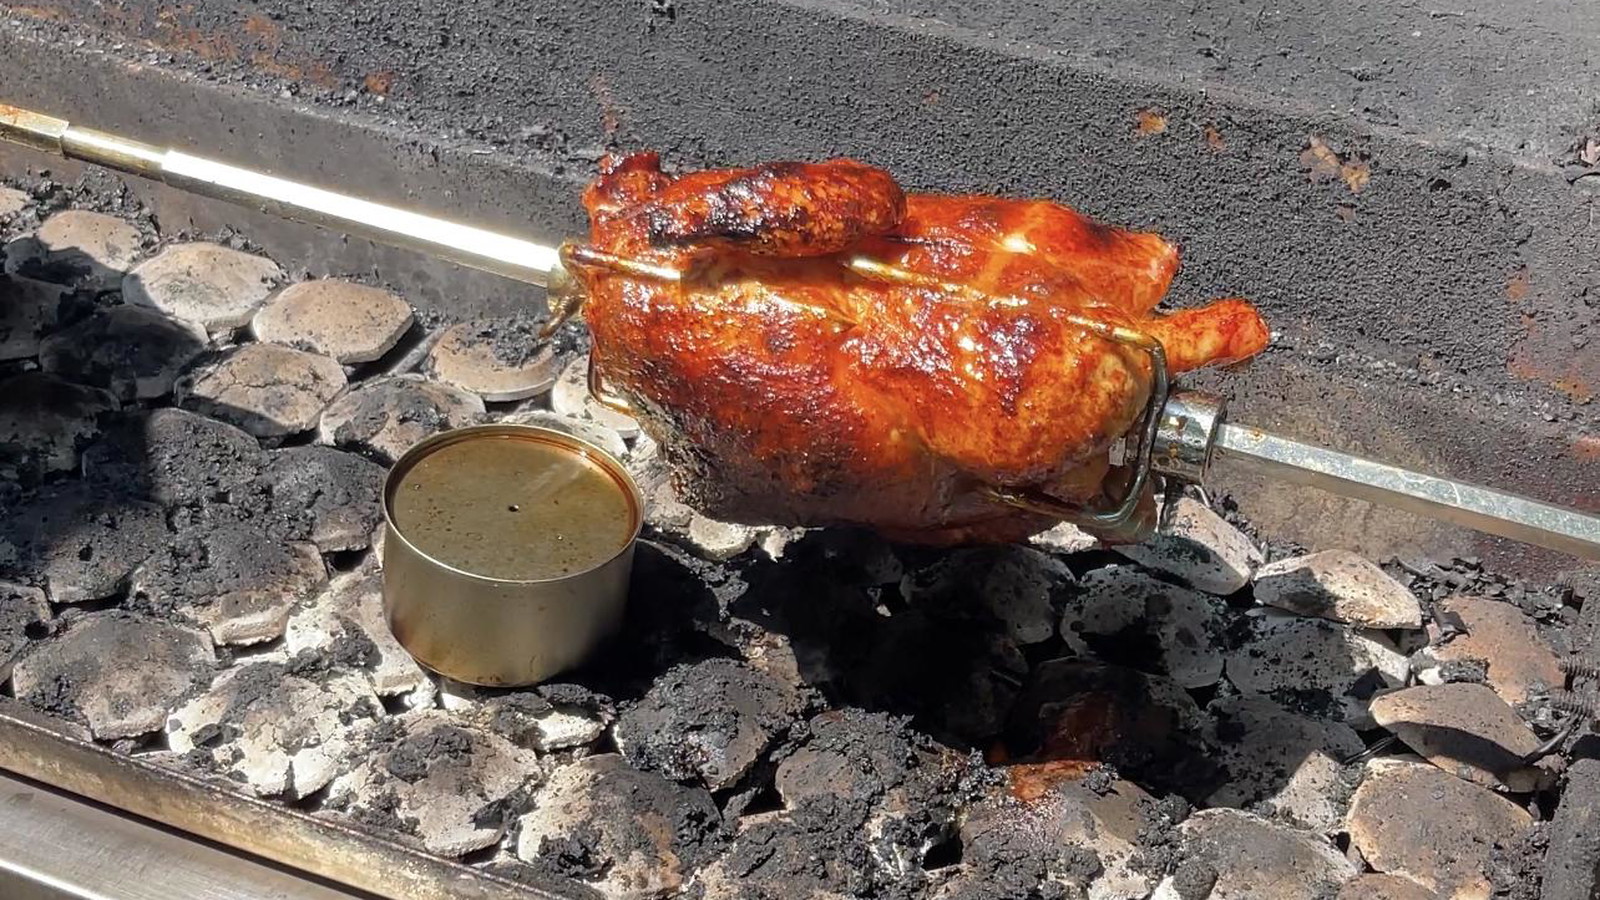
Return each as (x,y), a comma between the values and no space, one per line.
(507,551)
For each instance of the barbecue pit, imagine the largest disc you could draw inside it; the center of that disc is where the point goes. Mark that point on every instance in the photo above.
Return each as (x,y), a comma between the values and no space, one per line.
(1116,724)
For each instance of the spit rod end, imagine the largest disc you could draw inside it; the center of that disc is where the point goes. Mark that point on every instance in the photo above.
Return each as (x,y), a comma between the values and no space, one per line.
(1186,435)
(31,129)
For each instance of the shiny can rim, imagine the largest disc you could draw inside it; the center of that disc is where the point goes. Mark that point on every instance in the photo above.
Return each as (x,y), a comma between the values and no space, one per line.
(429,445)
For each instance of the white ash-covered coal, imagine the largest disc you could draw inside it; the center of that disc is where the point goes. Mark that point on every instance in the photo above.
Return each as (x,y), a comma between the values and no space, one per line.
(191,450)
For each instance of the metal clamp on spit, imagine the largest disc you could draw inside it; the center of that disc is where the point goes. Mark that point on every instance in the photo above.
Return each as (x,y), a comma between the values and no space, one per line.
(1175,440)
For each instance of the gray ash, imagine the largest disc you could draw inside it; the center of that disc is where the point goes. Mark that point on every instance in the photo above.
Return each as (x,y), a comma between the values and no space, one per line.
(635,822)
(868,795)
(351,649)
(175,457)
(55,697)
(514,340)
(1516,871)
(805,854)
(201,759)
(500,814)
(1009,888)
(250,505)
(199,565)
(576,696)
(877,751)
(1159,841)
(412,758)
(1102,780)
(214,750)
(381,814)
(1315,703)
(20,622)
(97,190)
(1468,671)
(372,417)
(250,685)
(516,708)
(576,855)
(1193,879)
(433,320)
(711,720)
(571,339)
(226,235)
(1080,864)
(125,351)
(1003,860)
(517,717)
(318,493)
(209,735)
(366,709)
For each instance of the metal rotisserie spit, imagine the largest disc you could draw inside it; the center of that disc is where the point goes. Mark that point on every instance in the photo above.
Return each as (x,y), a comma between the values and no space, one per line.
(1174,438)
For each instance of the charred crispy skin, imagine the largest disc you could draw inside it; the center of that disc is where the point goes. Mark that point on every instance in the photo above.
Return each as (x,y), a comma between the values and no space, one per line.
(785,390)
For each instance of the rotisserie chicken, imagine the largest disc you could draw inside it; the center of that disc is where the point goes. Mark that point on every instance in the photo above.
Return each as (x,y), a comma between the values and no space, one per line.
(785,388)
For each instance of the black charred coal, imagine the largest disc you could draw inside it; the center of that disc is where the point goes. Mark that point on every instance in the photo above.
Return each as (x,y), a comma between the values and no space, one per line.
(1572,865)
(953,665)
(411,758)
(323,495)
(708,722)
(864,797)
(175,457)
(1138,723)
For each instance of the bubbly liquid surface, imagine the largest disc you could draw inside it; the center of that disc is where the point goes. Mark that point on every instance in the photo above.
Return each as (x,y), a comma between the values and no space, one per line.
(513,508)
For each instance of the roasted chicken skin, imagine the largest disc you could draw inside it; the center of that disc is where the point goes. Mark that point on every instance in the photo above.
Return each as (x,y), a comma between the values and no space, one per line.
(785,389)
